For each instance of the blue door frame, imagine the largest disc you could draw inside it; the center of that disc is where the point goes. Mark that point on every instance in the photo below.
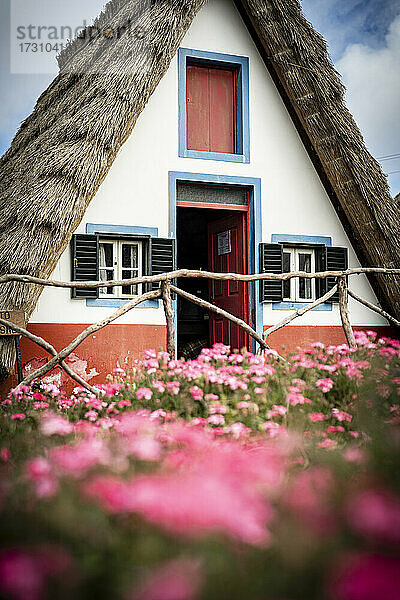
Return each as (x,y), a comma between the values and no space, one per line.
(255,230)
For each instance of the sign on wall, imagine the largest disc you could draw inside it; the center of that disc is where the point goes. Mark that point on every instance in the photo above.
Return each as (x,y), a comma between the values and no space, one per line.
(224,243)
(14,316)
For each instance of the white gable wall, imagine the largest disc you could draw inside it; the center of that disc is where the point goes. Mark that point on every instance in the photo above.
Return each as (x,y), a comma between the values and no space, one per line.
(135,191)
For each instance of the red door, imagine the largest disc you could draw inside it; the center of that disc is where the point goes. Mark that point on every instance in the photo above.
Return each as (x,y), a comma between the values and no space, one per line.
(228,253)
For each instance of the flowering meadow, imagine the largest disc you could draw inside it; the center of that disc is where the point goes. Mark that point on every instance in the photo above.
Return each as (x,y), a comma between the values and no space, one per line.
(233,476)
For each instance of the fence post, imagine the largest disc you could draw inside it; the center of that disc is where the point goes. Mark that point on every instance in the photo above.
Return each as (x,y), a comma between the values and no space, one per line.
(344,311)
(169,315)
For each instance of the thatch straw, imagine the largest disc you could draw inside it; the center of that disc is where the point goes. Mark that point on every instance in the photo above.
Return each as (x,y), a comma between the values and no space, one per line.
(64,149)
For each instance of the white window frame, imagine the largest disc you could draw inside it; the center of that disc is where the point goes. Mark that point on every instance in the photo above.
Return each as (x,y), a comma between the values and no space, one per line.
(117,266)
(295,281)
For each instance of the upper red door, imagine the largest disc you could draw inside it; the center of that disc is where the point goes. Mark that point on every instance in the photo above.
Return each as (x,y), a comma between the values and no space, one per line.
(228,253)
(211,108)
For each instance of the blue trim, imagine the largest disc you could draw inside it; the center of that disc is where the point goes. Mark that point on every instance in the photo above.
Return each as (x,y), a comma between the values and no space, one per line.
(254,184)
(102,228)
(117,302)
(121,229)
(242,64)
(282,238)
(287,305)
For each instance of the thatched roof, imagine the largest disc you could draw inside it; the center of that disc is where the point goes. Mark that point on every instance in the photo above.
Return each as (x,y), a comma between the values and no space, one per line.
(64,149)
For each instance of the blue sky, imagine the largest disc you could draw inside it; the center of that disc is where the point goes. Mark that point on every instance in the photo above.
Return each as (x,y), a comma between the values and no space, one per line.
(363,39)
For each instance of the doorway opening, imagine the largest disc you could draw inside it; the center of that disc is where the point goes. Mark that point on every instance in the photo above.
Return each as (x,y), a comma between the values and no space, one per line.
(214,239)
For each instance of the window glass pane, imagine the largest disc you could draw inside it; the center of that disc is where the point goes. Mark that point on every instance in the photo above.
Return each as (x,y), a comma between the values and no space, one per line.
(129,256)
(131,290)
(106,254)
(304,284)
(107,275)
(286,269)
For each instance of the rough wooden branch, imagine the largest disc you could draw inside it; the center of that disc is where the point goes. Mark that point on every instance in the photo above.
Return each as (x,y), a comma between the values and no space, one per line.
(51,350)
(223,313)
(374,308)
(170,317)
(299,312)
(88,331)
(191,273)
(344,312)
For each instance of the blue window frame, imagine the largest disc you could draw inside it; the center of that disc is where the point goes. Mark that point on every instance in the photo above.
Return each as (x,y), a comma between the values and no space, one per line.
(290,240)
(241,63)
(115,230)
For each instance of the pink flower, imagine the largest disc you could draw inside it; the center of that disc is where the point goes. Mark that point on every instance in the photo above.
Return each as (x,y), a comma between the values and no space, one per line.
(52,424)
(123,403)
(18,417)
(294,398)
(324,384)
(216,419)
(315,417)
(328,444)
(273,429)
(259,390)
(335,429)
(5,454)
(211,397)
(341,415)
(175,580)
(375,514)
(278,410)
(367,577)
(217,409)
(197,393)
(20,575)
(144,393)
(91,415)
(173,387)
(238,430)
(159,386)
(354,454)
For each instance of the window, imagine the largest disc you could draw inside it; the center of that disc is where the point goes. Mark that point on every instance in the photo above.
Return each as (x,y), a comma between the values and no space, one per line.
(120,259)
(298,289)
(213,106)
(118,252)
(311,254)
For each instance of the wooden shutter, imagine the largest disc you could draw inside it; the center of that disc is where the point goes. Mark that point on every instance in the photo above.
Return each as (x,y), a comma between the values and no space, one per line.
(271,259)
(85,263)
(320,265)
(336,260)
(211,106)
(162,257)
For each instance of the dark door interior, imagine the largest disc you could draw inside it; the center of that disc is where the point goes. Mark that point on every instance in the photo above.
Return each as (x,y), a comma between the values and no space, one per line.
(198,230)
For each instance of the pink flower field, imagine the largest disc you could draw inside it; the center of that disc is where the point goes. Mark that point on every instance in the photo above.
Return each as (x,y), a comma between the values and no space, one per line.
(233,476)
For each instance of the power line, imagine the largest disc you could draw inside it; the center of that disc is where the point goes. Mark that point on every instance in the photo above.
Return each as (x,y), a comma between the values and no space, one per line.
(391,172)
(388,156)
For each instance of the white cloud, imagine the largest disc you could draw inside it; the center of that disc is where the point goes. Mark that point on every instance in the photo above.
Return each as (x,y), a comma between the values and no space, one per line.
(372,79)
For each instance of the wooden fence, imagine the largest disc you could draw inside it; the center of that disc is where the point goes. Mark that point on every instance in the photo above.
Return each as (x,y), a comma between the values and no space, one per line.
(164,292)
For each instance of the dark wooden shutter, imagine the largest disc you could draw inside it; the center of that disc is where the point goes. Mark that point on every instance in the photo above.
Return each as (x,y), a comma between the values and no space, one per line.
(162,257)
(320,265)
(336,260)
(271,259)
(85,263)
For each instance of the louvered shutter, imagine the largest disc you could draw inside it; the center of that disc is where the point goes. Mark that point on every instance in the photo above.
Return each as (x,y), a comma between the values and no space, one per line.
(85,263)
(162,257)
(320,265)
(271,261)
(336,260)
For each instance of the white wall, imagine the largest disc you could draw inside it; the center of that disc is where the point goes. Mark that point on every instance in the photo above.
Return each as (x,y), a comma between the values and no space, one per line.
(135,191)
